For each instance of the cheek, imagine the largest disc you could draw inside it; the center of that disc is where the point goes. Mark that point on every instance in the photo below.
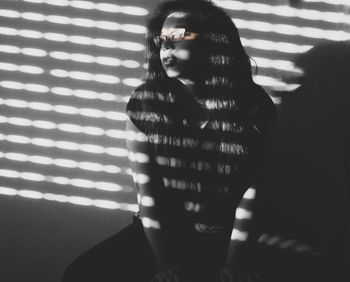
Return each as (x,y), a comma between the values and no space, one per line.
(186,50)
(184,54)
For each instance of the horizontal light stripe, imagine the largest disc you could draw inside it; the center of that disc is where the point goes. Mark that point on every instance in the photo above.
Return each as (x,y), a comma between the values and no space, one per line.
(147,201)
(330,2)
(274,83)
(292,30)
(186,142)
(32,87)
(100,203)
(243,214)
(286,243)
(81,22)
(192,206)
(283,47)
(87,5)
(61,180)
(79,75)
(132,82)
(86,58)
(150,223)
(250,194)
(65,163)
(64,109)
(63,91)
(21,68)
(285,11)
(65,127)
(138,157)
(238,235)
(76,57)
(72,146)
(26,51)
(182,184)
(87,94)
(140,178)
(76,39)
(135,136)
(276,64)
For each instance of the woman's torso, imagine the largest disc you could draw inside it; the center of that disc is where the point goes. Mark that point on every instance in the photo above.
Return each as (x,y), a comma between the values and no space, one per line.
(205,171)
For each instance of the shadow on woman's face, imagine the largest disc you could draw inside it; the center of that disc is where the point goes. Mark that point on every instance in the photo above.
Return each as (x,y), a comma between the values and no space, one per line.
(182,53)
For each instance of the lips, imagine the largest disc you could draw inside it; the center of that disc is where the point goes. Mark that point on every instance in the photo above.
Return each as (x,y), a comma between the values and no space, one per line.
(169,60)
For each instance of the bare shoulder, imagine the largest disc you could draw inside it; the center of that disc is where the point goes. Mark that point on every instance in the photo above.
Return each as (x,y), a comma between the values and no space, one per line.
(136,140)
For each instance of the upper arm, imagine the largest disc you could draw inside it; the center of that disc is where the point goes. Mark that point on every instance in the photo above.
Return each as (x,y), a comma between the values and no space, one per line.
(142,161)
(136,142)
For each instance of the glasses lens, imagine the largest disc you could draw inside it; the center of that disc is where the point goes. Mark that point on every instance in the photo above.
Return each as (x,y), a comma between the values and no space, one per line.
(177,35)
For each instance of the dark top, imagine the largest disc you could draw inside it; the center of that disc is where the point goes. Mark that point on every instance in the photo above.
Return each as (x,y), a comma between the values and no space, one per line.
(204,171)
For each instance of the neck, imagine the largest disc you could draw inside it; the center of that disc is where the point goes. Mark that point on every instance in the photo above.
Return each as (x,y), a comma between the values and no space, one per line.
(191,88)
(193,108)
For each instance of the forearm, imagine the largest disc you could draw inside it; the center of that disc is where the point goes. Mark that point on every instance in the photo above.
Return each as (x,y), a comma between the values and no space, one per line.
(155,231)
(239,248)
(238,252)
(149,191)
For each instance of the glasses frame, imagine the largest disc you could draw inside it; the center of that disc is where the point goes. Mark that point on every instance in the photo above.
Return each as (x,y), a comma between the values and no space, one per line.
(160,39)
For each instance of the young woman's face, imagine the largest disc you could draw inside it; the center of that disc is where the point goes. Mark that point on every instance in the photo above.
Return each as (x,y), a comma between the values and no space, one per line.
(178,56)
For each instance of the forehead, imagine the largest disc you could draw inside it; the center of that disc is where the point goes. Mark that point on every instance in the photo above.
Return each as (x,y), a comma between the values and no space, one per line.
(178,20)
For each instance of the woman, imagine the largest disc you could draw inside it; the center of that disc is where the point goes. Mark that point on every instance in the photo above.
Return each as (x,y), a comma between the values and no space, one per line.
(202,124)
(197,133)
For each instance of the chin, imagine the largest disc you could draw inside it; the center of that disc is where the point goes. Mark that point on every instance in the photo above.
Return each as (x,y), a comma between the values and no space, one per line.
(173,73)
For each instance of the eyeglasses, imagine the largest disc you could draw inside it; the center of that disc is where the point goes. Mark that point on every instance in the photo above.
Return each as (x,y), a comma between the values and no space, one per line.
(175,36)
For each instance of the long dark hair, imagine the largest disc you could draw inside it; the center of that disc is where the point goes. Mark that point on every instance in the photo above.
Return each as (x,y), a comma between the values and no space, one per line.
(236,103)
(222,60)
(225,71)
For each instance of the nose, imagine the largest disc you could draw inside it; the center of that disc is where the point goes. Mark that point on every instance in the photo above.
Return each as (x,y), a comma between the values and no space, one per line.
(168,44)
